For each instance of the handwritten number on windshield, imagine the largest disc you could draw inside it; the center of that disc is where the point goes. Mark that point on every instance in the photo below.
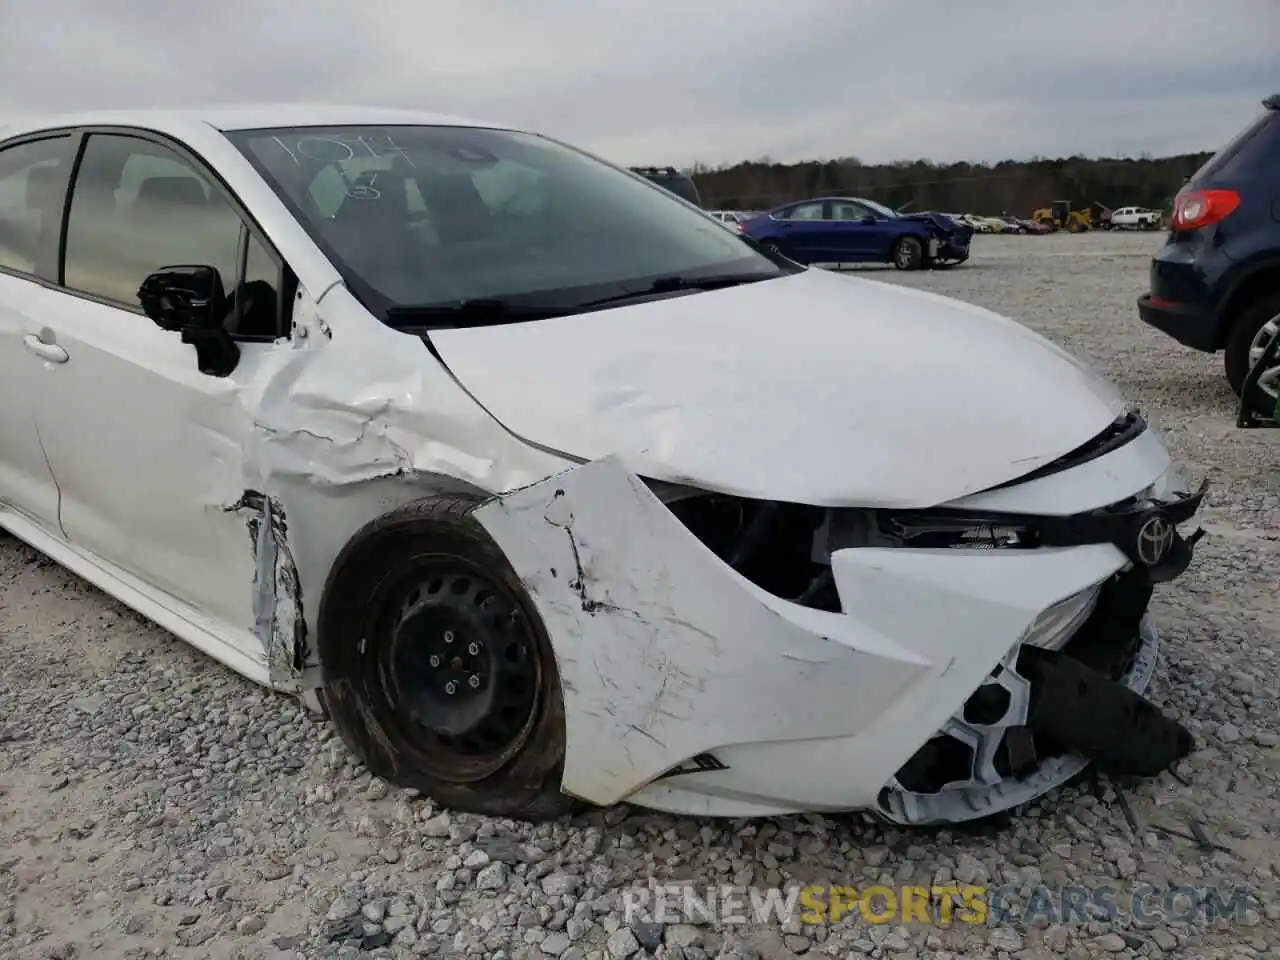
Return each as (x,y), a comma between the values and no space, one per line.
(341,148)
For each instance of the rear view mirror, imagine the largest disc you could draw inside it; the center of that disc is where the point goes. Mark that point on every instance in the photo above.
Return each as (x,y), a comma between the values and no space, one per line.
(868,219)
(192,301)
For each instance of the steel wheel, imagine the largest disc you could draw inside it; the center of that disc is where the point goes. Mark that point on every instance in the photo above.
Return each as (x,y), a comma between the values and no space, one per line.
(461,667)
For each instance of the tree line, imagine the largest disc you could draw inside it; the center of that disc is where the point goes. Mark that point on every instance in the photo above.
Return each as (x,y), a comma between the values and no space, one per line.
(1016,186)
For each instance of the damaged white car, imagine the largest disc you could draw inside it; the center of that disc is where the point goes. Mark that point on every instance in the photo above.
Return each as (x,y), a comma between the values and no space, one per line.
(548,488)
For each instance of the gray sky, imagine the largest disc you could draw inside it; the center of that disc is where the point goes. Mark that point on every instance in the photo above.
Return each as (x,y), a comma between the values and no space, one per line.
(663,81)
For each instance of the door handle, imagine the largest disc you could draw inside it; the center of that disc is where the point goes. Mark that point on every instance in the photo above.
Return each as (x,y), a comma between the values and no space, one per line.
(45,351)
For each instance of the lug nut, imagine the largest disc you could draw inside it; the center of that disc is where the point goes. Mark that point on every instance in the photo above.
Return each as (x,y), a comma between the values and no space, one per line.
(474,680)
(448,636)
(473,649)
(450,687)
(435,661)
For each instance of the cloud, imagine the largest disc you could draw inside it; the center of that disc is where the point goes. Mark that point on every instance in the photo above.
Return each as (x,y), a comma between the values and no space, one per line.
(674,82)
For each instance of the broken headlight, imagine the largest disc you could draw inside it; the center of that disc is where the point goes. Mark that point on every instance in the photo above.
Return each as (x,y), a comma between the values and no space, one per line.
(1057,624)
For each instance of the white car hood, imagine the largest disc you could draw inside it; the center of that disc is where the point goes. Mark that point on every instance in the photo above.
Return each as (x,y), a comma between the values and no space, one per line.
(812,389)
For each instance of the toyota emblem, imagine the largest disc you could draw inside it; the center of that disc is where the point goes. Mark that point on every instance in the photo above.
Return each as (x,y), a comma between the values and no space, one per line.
(1155,540)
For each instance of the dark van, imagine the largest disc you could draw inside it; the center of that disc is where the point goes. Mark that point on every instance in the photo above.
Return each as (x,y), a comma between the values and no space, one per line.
(680,184)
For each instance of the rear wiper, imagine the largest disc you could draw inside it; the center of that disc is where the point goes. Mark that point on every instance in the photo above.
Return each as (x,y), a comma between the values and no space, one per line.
(476,312)
(676,283)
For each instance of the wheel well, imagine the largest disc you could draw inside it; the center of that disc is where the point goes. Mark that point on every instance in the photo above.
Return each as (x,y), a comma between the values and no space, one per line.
(909,235)
(1257,284)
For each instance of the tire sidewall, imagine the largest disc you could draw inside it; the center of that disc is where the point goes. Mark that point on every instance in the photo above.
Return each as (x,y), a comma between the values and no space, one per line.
(354,675)
(1243,330)
(916,260)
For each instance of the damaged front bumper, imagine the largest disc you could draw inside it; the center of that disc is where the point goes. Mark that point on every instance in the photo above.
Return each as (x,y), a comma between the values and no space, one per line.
(690,688)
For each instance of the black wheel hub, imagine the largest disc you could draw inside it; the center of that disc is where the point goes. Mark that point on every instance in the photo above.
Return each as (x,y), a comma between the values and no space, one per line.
(464,664)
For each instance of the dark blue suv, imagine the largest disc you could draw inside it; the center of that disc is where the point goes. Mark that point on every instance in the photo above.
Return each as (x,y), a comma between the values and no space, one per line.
(1215,284)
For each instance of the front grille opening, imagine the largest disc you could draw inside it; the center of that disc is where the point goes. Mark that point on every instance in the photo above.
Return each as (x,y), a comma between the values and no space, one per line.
(942,761)
(987,705)
(771,544)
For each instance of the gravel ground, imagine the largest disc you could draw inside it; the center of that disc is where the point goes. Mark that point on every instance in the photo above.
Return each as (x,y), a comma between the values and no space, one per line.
(154,804)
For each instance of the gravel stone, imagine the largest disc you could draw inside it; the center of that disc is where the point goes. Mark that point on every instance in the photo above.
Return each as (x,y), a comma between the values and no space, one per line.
(250,925)
(622,943)
(156,804)
(1111,943)
(555,944)
(558,884)
(492,877)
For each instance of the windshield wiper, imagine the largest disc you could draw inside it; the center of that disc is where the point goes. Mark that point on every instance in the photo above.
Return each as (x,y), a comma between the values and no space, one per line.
(676,283)
(487,311)
(476,312)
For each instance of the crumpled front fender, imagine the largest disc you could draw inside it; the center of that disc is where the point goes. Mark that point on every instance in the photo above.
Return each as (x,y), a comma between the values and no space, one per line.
(666,653)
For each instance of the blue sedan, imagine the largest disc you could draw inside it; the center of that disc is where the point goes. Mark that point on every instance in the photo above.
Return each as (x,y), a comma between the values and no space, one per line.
(853,230)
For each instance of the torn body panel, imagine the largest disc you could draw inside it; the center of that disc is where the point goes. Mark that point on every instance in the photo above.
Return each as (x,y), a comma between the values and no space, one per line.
(279,622)
(357,419)
(689,688)
(667,653)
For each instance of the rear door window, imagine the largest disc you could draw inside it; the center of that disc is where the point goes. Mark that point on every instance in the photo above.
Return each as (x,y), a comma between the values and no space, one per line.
(32,180)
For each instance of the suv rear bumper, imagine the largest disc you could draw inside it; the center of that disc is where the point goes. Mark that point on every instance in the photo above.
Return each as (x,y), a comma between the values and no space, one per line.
(1189,324)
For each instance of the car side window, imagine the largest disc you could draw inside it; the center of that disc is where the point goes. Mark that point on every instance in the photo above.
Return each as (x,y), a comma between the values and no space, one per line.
(848,211)
(256,306)
(137,206)
(31,175)
(803,211)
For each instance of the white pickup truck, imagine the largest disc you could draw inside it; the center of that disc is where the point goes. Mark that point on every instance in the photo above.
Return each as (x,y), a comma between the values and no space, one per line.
(1136,218)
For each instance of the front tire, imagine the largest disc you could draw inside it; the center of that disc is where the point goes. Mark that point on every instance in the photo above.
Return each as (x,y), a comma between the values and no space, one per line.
(908,253)
(438,671)
(1248,335)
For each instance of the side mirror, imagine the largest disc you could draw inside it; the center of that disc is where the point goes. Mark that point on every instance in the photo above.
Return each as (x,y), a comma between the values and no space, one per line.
(869,220)
(191,300)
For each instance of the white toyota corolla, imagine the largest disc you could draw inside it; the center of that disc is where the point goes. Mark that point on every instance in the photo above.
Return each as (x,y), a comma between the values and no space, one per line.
(547,487)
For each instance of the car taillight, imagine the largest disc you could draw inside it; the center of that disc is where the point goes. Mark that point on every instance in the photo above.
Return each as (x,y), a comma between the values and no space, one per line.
(739,226)
(1201,208)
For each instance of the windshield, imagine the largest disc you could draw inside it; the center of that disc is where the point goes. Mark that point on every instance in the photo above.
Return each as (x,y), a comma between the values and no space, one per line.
(880,209)
(435,215)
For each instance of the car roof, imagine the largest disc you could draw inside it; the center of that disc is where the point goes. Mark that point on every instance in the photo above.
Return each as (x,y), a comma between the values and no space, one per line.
(252,116)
